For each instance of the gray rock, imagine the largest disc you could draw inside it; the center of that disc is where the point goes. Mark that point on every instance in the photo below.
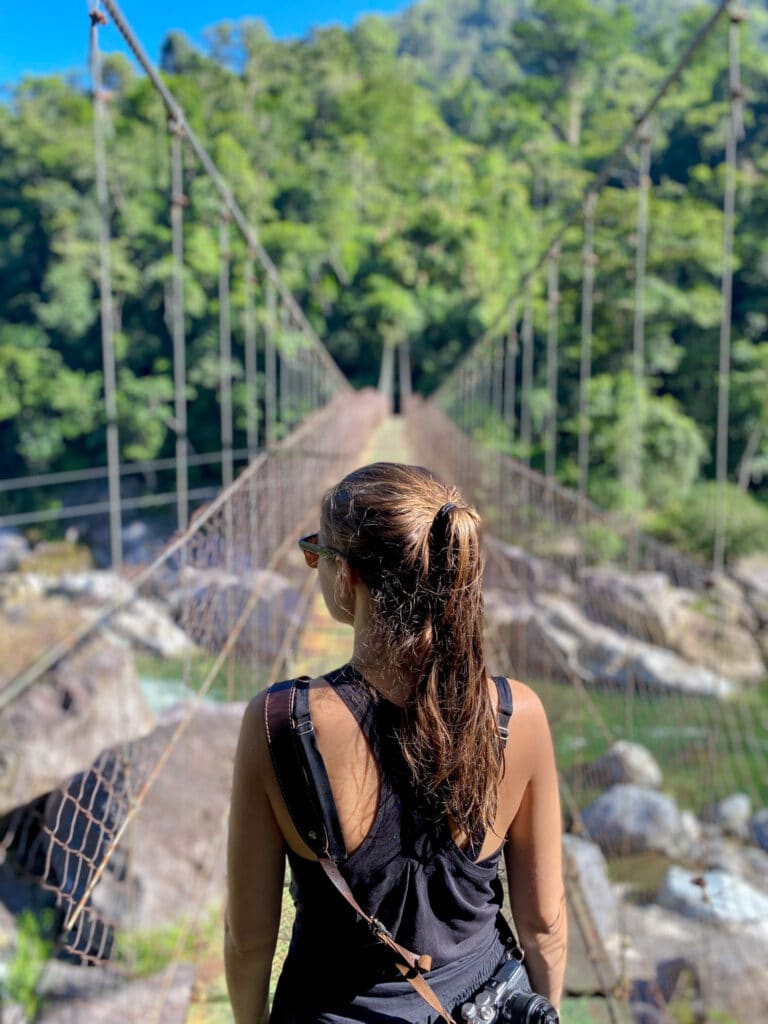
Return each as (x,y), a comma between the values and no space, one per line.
(163,997)
(512,568)
(732,814)
(730,961)
(586,869)
(98,587)
(752,572)
(13,550)
(758,828)
(149,627)
(719,852)
(646,606)
(624,762)
(536,648)
(90,700)
(716,896)
(208,602)
(605,656)
(631,819)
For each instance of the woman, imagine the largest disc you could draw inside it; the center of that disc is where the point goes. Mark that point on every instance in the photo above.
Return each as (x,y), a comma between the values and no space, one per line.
(427,791)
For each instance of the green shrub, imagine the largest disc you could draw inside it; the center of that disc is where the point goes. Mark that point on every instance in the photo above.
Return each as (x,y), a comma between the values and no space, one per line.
(689,522)
(33,947)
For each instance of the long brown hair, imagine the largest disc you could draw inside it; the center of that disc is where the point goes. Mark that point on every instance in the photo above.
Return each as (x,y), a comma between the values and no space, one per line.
(416,546)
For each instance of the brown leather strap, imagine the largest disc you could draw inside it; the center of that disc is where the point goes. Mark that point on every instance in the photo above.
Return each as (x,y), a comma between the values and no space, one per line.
(307,816)
(413,962)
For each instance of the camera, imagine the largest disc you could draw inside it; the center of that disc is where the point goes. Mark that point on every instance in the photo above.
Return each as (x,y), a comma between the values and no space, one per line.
(507,998)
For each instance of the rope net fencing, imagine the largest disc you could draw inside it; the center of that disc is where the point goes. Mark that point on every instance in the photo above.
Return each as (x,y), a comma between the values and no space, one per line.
(650,669)
(651,663)
(81,853)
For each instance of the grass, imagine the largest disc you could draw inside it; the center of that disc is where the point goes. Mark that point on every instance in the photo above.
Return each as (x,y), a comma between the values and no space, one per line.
(706,748)
(234,681)
(149,952)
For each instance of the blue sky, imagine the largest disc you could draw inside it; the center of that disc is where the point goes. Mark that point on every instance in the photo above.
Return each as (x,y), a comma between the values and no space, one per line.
(45,36)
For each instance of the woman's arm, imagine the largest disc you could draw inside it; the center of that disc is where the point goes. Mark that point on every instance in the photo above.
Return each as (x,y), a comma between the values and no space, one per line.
(533,857)
(255,872)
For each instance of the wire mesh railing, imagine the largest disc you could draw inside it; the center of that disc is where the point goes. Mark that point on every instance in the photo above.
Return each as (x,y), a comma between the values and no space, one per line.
(238,592)
(651,670)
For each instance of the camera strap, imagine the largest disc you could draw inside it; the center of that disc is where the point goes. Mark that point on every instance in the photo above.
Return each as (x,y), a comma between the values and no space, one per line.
(299,770)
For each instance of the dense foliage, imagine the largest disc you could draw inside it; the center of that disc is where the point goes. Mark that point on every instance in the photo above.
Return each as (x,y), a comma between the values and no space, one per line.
(403,175)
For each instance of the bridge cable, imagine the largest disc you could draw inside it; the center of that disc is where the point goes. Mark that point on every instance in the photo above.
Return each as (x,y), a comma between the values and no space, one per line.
(585,367)
(250,345)
(105,292)
(225,349)
(735,133)
(553,309)
(178,202)
(634,478)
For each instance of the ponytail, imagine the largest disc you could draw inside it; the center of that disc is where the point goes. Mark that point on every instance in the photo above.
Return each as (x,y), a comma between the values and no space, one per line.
(416,547)
(450,740)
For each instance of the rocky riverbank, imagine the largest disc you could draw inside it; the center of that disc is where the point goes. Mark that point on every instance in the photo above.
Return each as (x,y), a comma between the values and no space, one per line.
(81,742)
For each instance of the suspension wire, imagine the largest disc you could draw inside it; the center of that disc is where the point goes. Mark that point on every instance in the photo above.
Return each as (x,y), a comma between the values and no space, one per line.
(585,368)
(249,335)
(105,294)
(553,310)
(283,372)
(405,373)
(635,463)
(510,377)
(497,381)
(527,376)
(387,373)
(735,134)
(225,350)
(238,217)
(574,214)
(178,202)
(270,366)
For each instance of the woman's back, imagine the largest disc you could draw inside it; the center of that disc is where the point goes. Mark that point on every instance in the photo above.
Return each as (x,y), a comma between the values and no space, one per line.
(407,871)
(425,787)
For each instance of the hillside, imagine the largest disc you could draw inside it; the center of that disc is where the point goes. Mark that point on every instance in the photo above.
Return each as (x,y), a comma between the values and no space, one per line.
(403,175)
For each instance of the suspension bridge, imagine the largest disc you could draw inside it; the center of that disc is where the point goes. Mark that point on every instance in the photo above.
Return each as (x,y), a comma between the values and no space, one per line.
(648,661)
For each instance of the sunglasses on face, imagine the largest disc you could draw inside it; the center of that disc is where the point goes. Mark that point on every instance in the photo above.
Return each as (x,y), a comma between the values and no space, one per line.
(313,551)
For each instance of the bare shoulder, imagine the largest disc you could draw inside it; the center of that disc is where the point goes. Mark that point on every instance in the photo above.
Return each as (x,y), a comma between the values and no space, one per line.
(529,719)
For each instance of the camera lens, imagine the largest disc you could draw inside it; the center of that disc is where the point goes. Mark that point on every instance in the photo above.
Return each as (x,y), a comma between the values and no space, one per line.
(525,1008)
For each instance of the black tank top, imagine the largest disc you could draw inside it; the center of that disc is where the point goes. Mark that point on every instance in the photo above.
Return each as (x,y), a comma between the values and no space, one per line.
(433,896)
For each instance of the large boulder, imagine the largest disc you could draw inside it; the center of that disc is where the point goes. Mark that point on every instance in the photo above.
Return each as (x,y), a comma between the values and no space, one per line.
(719,852)
(91,699)
(632,819)
(624,761)
(752,573)
(97,587)
(729,963)
(532,645)
(716,896)
(145,891)
(586,875)
(551,639)
(13,550)
(731,814)
(208,602)
(162,997)
(77,847)
(513,568)
(148,627)
(758,828)
(646,605)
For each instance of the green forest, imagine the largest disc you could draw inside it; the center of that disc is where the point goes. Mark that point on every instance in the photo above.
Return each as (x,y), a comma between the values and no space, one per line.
(404,175)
